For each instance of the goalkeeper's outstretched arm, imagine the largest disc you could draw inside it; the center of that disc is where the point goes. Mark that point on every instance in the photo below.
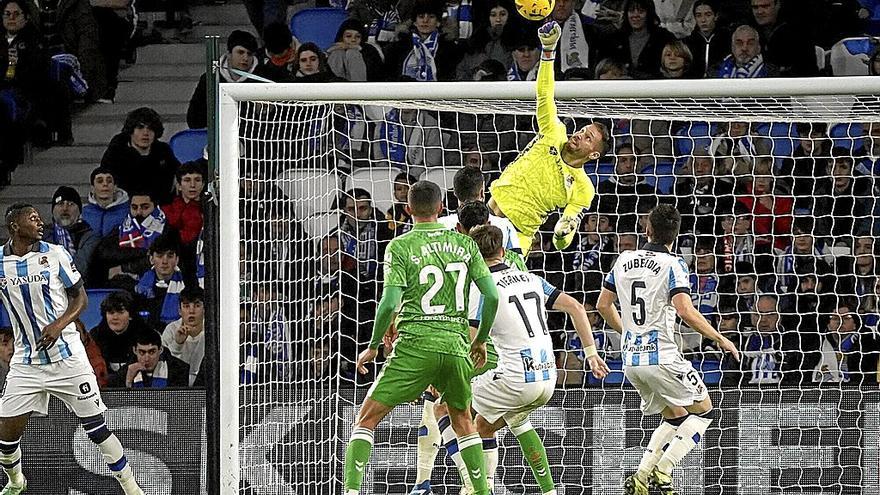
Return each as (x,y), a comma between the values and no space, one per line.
(546,111)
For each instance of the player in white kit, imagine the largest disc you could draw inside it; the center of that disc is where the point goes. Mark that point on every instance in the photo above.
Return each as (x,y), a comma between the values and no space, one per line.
(653,287)
(526,374)
(43,294)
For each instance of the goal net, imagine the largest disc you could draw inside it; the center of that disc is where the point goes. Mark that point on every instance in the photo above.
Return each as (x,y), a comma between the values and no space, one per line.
(775,182)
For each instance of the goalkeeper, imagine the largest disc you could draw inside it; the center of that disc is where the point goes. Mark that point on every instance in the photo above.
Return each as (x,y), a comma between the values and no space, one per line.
(549,174)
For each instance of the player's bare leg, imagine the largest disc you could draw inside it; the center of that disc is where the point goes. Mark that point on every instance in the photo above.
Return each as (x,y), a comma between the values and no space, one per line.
(11,429)
(687,436)
(111,450)
(357,454)
(673,417)
(470,446)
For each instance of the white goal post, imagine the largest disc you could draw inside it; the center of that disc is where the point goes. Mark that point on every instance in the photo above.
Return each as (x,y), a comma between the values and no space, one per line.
(850,100)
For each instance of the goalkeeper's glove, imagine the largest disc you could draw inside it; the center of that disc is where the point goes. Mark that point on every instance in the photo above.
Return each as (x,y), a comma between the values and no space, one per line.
(549,35)
(564,231)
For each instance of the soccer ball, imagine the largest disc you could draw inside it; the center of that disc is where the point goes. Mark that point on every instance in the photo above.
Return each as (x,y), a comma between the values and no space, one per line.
(535,10)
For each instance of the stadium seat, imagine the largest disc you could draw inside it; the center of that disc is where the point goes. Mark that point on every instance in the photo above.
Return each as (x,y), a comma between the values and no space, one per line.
(441,177)
(849,57)
(92,314)
(847,135)
(661,176)
(320,224)
(4,318)
(317,25)
(189,144)
(312,190)
(696,135)
(378,181)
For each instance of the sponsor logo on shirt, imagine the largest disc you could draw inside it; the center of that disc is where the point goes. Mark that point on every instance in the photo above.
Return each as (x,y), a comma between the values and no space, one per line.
(643,347)
(19,281)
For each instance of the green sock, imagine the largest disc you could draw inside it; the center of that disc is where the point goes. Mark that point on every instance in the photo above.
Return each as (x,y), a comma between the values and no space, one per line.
(357,455)
(471,449)
(535,454)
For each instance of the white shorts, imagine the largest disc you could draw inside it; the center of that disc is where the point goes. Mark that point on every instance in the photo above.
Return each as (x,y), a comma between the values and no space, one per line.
(494,397)
(72,380)
(662,385)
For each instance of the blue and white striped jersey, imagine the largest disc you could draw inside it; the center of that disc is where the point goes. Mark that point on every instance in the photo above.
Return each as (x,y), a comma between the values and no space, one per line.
(520,333)
(508,231)
(645,281)
(33,290)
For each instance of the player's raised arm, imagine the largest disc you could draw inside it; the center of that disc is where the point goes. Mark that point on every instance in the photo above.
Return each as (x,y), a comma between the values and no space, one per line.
(549,35)
(685,309)
(578,314)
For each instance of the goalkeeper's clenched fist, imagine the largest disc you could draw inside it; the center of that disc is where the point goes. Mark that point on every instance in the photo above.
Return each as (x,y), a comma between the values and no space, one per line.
(549,35)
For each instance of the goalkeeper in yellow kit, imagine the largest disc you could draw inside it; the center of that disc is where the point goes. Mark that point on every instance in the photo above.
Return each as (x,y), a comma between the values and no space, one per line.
(549,173)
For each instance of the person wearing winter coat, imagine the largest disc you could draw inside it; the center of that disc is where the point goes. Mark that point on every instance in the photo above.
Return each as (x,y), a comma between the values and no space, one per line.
(70,27)
(640,40)
(351,57)
(107,206)
(709,43)
(423,54)
(69,231)
(138,160)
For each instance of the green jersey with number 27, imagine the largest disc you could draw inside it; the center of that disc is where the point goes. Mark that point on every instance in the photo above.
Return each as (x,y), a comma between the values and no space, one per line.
(434,266)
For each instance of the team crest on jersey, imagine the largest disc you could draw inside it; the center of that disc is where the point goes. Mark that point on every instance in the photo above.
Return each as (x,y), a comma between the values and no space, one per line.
(554,151)
(2,283)
(569,181)
(44,261)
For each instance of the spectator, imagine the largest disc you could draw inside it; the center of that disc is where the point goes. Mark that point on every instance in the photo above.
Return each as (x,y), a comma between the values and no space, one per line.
(627,242)
(577,45)
(93,351)
(641,40)
(241,48)
(525,60)
(263,13)
(159,287)
(270,350)
(847,354)
(737,147)
(704,283)
(703,197)
(626,191)
(609,68)
(808,167)
(708,41)
(124,250)
(337,274)
(353,59)
(108,205)
(69,231)
(676,61)
(409,137)
(842,205)
(870,162)
(592,257)
(184,213)
(745,60)
(138,160)
(424,54)
(399,219)
(676,16)
(278,55)
(116,333)
(785,46)
(155,367)
(312,65)
(185,338)
(804,256)
(746,290)
(363,236)
(494,32)
(114,20)
(7,349)
(771,213)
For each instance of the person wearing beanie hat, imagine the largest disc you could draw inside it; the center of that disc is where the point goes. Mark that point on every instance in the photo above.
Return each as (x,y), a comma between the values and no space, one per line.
(351,57)
(423,54)
(278,55)
(107,204)
(236,65)
(69,231)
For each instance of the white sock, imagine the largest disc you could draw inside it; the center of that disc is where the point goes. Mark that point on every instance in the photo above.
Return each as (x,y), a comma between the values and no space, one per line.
(656,445)
(451,443)
(490,453)
(428,443)
(10,460)
(686,438)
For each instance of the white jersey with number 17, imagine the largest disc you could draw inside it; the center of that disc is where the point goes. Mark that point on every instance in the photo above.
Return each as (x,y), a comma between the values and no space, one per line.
(520,334)
(645,281)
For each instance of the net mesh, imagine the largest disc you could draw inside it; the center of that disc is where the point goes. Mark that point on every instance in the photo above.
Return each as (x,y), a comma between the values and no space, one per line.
(779,219)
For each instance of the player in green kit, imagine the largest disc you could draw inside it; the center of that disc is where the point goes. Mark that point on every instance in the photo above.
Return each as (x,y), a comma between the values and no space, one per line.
(428,272)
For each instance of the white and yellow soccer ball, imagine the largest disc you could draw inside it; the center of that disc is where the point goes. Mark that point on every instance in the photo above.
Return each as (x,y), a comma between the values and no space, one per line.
(535,10)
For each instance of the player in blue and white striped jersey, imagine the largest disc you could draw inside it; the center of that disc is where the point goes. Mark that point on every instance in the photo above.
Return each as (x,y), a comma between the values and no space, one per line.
(43,294)
(653,287)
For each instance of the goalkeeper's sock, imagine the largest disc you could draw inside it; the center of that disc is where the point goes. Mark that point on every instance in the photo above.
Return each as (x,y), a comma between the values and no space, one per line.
(451,444)
(429,441)
(686,438)
(10,459)
(471,449)
(490,453)
(357,455)
(535,454)
(657,445)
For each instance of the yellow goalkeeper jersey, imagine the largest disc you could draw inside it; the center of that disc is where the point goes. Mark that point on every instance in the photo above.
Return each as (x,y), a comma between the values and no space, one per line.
(538,181)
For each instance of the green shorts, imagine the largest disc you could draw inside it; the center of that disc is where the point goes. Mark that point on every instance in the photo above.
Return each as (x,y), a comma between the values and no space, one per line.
(408,372)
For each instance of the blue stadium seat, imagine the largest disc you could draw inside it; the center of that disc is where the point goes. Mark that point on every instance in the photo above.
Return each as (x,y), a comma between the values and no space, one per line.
(317,25)
(4,318)
(696,135)
(660,175)
(189,144)
(847,135)
(92,314)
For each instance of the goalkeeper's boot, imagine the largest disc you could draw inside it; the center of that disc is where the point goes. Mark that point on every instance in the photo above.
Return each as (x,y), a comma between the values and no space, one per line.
(662,482)
(634,486)
(15,489)
(423,488)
